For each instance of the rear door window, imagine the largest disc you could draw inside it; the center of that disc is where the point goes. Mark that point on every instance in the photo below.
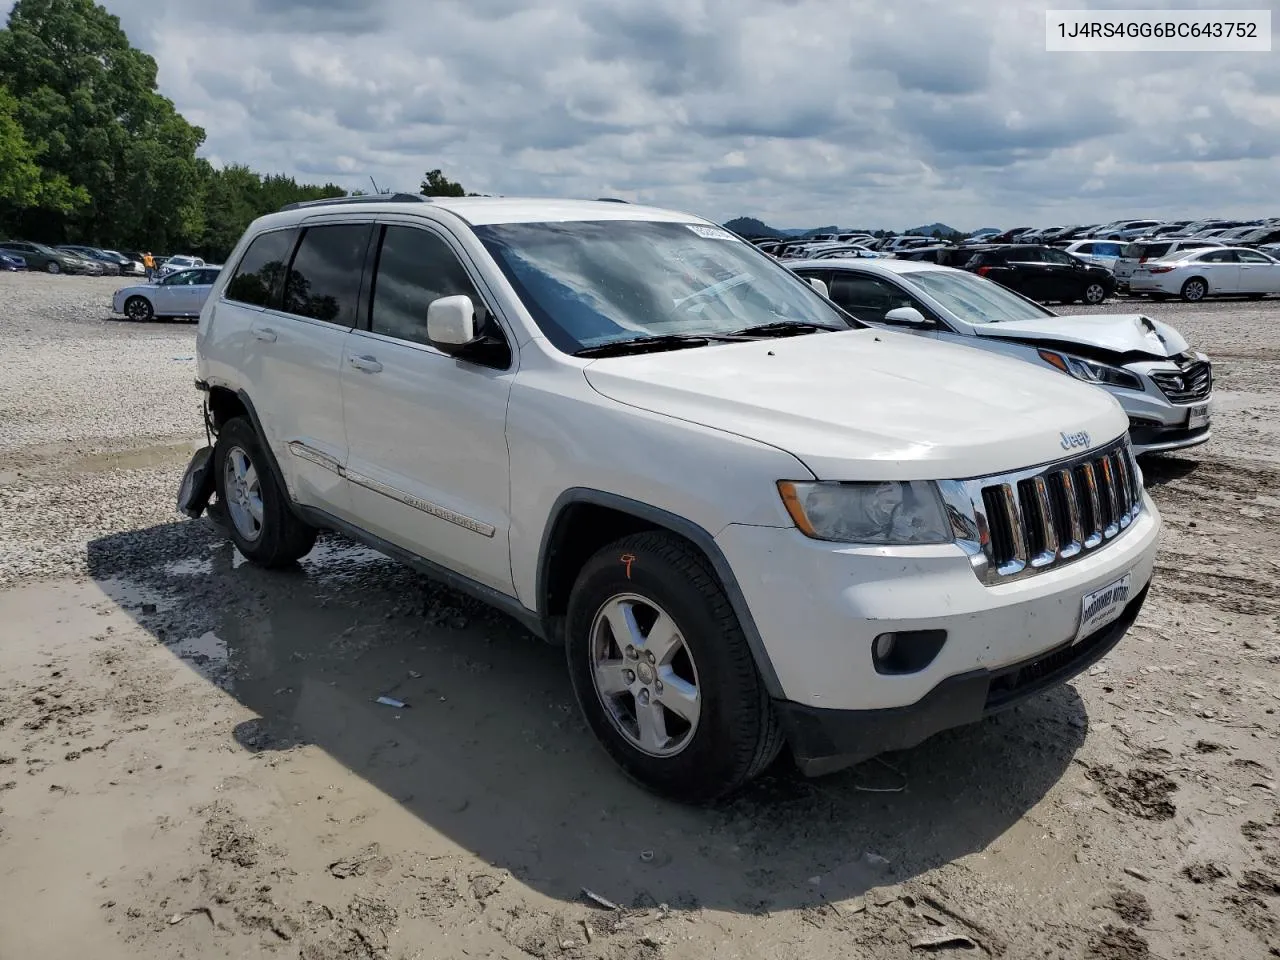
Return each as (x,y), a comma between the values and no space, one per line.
(260,273)
(324,278)
(1218,256)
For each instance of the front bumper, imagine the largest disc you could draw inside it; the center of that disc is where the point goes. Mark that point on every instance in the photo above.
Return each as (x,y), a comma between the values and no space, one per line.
(818,608)
(823,741)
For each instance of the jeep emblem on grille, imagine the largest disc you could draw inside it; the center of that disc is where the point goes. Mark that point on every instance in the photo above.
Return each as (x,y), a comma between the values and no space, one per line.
(1072,440)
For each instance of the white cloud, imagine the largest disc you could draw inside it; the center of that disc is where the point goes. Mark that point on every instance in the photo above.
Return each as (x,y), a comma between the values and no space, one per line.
(800,112)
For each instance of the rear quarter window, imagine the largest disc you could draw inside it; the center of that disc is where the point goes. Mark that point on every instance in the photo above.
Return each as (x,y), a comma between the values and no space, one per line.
(260,274)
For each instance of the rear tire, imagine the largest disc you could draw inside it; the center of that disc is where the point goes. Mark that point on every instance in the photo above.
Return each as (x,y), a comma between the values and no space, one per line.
(258,518)
(716,725)
(1094,293)
(1194,290)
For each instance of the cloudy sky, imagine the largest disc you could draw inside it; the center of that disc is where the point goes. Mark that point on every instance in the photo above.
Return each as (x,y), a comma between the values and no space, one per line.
(800,112)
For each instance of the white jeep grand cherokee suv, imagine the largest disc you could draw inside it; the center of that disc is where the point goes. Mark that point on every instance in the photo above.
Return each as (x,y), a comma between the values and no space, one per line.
(751,520)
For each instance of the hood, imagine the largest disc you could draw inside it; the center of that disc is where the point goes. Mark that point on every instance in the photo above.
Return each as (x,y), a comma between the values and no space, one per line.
(1117,332)
(870,404)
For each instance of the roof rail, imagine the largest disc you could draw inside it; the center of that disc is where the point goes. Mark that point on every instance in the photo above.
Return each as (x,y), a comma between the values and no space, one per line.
(361,198)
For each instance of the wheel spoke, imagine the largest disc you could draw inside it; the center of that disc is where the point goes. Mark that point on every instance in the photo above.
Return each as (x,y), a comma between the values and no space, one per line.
(622,621)
(255,508)
(611,679)
(679,696)
(239,463)
(651,718)
(251,479)
(663,640)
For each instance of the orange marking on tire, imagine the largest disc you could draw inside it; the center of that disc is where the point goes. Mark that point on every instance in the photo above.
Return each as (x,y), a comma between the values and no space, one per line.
(628,559)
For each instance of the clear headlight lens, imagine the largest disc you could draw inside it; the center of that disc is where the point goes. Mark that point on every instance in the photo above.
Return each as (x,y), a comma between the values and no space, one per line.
(1092,371)
(887,512)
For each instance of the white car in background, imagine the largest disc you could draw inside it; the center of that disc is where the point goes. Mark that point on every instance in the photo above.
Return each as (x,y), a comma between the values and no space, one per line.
(180,294)
(1140,251)
(1219,271)
(1163,385)
(1104,253)
(180,262)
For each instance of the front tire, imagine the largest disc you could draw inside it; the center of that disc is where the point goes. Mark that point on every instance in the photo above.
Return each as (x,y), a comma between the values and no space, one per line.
(53,267)
(663,673)
(1194,290)
(139,309)
(259,520)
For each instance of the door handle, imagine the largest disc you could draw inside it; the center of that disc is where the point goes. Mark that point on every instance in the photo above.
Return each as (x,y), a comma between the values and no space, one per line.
(265,334)
(367,364)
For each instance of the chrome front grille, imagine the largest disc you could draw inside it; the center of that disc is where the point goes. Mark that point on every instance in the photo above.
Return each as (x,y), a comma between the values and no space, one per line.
(1019,524)
(1193,381)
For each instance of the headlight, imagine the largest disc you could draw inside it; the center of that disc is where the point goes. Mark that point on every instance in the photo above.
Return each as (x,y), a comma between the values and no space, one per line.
(887,512)
(1092,371)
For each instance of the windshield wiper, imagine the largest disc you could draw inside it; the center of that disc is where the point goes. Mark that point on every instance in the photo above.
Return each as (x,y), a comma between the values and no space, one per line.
(669,341)
(784,328)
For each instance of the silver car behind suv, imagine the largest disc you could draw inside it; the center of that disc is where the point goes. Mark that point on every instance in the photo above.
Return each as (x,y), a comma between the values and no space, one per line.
(1163,385)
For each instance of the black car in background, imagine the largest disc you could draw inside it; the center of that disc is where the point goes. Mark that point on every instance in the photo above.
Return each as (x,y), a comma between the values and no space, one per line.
(41,257)
(1042,273)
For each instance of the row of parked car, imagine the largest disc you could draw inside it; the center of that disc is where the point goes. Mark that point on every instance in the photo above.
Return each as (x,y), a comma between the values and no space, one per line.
(1179,259)
(87,261)
(69,258)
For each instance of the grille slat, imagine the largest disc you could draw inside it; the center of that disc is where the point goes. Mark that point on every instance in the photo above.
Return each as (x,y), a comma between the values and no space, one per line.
(1044,518)
(1193,382)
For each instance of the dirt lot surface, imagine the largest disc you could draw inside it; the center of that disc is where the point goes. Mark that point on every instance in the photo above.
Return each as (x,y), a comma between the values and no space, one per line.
(192,764)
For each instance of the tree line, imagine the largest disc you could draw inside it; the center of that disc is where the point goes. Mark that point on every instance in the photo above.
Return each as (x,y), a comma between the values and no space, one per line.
(91,152)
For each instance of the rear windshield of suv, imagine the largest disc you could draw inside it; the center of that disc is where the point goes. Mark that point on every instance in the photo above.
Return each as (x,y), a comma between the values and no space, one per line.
(589,283)
(1136,251)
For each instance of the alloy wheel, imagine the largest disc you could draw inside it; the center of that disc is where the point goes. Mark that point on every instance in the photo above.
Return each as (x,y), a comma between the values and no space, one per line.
(243,490)
(644,675)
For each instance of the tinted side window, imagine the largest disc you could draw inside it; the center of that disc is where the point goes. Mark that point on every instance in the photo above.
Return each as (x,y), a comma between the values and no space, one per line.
(1219,256)
(415,267)
(324,278)
(867,298)
(1251,256)
(1084,248)
(1157,250)
(261,270)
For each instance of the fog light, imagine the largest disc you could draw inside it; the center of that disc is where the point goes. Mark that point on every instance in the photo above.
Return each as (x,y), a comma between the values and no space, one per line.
(884,645)
(907,651)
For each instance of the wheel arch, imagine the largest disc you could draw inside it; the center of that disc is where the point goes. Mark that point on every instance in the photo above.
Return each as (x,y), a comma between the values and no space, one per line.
(224,403)
(1208,288)
(583,520)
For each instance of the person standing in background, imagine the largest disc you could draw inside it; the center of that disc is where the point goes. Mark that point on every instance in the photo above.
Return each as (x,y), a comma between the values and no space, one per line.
(149,262)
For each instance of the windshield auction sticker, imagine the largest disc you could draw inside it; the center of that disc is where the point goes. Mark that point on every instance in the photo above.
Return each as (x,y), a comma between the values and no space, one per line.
(708,232)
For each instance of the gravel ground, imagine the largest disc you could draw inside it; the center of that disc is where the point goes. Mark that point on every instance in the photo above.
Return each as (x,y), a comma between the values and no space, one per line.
(191,764)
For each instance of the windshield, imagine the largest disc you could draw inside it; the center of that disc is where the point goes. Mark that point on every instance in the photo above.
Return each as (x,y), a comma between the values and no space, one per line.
(974,299)
(589,283)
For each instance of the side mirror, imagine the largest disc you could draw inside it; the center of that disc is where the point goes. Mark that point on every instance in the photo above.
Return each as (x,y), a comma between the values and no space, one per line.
(908,316)
(820,286)
(451,323)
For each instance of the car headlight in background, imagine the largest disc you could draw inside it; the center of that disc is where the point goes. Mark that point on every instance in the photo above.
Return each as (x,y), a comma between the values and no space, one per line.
(886,512)
(1091,371)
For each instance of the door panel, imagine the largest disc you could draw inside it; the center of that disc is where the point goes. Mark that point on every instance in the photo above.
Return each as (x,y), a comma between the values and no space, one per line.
(428,457)
(428,454)
(297,392)
(295,358)
(1222,277)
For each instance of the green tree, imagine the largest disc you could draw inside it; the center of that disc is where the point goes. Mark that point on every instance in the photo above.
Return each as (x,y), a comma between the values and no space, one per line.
(233,196)
(437,184)
(23,183)
(89,101)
